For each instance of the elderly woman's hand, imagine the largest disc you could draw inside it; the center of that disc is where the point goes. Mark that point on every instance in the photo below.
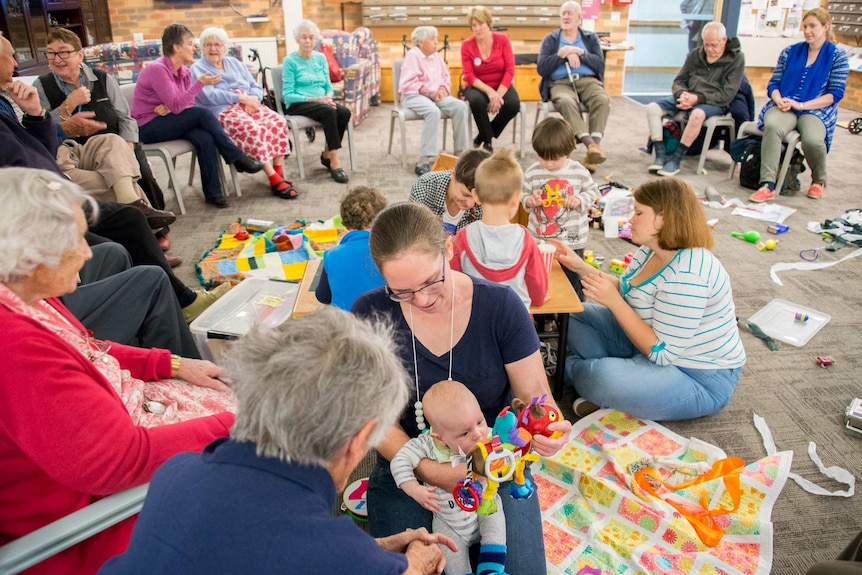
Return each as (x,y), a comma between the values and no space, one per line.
(251,103)
(82,124)
(162,110)
(600,288)
(324,100)
(548,447)
(77,97)
(399,542)
(202,373)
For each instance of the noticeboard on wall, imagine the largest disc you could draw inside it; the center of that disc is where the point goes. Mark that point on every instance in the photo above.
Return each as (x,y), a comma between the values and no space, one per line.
(773,17)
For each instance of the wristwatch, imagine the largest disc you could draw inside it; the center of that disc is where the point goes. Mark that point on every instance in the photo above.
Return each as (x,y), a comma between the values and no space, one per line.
(42,115)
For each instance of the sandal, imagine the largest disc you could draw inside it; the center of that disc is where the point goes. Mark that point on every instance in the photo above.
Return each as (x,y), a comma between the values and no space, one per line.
(325,162)
(284,190)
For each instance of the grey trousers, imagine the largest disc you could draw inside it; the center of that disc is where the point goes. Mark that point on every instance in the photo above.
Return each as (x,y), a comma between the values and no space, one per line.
(129,305)
(490,529)
(849,562)
(589,91)
(812,132)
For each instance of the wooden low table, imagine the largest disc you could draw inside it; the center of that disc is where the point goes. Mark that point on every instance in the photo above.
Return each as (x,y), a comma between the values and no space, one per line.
(562,300)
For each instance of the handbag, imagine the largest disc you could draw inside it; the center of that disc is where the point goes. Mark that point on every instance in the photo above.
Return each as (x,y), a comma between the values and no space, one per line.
(335,73)
(702,520)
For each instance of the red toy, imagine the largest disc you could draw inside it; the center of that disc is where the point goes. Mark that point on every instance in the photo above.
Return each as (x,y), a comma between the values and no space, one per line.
(825,360)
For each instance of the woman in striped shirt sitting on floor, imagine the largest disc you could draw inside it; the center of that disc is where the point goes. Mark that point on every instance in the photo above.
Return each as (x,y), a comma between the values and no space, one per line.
(661,341)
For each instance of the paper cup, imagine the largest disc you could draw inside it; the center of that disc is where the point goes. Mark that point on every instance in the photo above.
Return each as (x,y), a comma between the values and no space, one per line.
(548,252)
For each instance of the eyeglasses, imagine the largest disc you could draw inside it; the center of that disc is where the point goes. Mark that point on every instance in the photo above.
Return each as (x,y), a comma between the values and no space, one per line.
(432,288)
(214,45)
(62,54)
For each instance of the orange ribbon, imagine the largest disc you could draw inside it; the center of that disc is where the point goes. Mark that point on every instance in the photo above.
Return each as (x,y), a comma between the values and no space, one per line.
(703,521)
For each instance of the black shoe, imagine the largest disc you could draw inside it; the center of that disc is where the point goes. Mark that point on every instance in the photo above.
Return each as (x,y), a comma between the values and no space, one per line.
(325,162)
(477,141)
(422,169)
(248,165)
(155,218)
(339,176)
(488,147)
(219,202)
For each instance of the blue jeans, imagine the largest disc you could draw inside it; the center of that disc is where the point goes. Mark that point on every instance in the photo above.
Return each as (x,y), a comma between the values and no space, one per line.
(607,369)
(200,127)
(391,511)
(669,106)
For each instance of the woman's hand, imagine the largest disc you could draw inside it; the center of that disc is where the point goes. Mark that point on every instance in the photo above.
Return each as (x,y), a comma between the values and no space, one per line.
(570,259)
(786,104)
(251,103)
(399,542)
(77,97)
(209,79)
(324,100)
(602,289)
(162,110)
(201,373)
(547,447)
(496,102)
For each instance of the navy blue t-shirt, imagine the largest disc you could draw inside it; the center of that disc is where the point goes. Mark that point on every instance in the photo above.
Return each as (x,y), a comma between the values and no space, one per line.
(499,332)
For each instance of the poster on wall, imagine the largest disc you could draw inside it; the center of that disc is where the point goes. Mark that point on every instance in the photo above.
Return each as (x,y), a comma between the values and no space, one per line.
(770,17)
(590,9)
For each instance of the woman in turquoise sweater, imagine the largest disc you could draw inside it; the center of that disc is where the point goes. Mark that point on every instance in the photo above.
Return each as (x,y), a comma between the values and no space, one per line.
(308,92)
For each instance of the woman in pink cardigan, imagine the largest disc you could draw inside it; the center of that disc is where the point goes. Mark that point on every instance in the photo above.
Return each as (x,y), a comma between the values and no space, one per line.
(489,72)
(80,418)
(164,108)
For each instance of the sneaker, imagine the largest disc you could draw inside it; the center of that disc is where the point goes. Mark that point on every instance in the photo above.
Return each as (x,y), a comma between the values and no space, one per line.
(815,192)
(595,154)
(583,408)
(422,169)
(762,195)
(204,299)
(670,168)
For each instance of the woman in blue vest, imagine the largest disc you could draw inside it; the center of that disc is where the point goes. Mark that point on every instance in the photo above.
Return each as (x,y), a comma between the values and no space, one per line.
(804,91)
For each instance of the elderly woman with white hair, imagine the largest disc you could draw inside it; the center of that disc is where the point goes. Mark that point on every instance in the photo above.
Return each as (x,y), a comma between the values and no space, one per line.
(81,418)
(426,89)
(307,92)
(236,101)
(261,501)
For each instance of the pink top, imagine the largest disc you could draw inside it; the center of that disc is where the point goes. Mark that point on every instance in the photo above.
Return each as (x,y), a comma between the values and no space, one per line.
(497,70)
(158,84)
(424,75)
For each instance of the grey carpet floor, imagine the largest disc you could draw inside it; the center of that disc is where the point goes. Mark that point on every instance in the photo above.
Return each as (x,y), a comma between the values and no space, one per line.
(800,401)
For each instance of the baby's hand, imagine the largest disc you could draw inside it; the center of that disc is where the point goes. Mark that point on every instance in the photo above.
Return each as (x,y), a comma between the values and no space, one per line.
(572,203)
(423,495)
(533,200)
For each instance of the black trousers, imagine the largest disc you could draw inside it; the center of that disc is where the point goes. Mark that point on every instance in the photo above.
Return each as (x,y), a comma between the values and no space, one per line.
(148,182)
(129,305)
(334,120)
(128,227)
(479,102)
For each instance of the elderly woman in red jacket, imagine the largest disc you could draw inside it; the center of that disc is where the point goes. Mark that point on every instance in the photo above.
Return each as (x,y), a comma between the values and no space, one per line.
(80,418)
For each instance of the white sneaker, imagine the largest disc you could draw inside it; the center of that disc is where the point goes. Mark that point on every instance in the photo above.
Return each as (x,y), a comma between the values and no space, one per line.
(583,408)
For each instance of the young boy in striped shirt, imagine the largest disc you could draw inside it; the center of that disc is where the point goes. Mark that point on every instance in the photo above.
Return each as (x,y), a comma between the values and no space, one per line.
(558,191)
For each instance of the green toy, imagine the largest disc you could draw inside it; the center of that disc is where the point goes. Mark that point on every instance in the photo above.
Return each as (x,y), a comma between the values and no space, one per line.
(749,236)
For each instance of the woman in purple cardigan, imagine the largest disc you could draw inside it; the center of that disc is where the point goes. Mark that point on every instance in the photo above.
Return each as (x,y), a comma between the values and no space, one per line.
(164,108)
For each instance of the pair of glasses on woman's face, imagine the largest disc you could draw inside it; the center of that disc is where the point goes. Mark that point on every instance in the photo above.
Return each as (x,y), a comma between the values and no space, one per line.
(62,54)
(432,288)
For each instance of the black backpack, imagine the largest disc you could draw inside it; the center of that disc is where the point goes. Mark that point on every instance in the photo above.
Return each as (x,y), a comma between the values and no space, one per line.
(749,168)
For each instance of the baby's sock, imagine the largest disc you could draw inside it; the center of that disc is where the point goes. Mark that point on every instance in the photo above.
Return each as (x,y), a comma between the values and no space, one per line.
(492,559)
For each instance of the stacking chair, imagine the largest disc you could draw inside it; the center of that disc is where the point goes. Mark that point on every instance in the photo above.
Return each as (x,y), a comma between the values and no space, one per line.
(55,537)
(545,109)
(170,150)
(710,124)
(790,140)
(298,124)
(404,115)
(522,114)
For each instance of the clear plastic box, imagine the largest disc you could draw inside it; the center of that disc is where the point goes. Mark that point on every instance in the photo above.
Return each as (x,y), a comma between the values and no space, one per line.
(778,320)
(253,300)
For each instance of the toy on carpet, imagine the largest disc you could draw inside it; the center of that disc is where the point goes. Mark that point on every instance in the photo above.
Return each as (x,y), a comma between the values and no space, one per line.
(825,360)
(749,236)
(777,228)
(505,455)
(768,245)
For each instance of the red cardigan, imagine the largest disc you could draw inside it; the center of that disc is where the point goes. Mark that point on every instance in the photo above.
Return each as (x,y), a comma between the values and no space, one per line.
(497,70)
(66,439)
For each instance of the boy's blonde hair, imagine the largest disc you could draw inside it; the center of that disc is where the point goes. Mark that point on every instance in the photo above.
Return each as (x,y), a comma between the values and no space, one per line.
(499,178)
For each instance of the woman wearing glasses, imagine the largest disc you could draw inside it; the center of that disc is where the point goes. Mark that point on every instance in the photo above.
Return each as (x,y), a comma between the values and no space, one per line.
(236,101)
(111,159)
(450,326)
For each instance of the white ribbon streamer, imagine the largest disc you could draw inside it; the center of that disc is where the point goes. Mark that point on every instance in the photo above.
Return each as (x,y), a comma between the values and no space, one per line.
(839,474)
(807,266)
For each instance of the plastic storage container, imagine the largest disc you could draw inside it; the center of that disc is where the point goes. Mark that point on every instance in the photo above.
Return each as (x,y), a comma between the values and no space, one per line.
(253,300)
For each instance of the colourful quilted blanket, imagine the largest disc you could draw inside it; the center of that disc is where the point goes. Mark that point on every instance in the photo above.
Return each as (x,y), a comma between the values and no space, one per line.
(598,521)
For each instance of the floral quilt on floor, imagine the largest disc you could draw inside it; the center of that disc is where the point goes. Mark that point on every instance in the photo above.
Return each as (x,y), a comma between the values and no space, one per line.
(597,520)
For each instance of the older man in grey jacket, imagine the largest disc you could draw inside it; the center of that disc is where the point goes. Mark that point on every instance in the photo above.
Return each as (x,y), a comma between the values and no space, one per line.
(704,87)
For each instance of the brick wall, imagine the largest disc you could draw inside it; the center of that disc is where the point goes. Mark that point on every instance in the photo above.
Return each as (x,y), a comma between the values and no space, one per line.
(150,17)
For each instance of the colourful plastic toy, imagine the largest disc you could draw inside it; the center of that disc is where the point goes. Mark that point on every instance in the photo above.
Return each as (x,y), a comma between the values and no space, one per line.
(767,245)
(825,360)
(777,228)
(618,266)
(799,316)
(749,236)
(591,259)
(505,455)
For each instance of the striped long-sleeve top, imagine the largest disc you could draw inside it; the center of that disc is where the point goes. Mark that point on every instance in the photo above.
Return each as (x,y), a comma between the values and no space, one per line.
(689,305)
